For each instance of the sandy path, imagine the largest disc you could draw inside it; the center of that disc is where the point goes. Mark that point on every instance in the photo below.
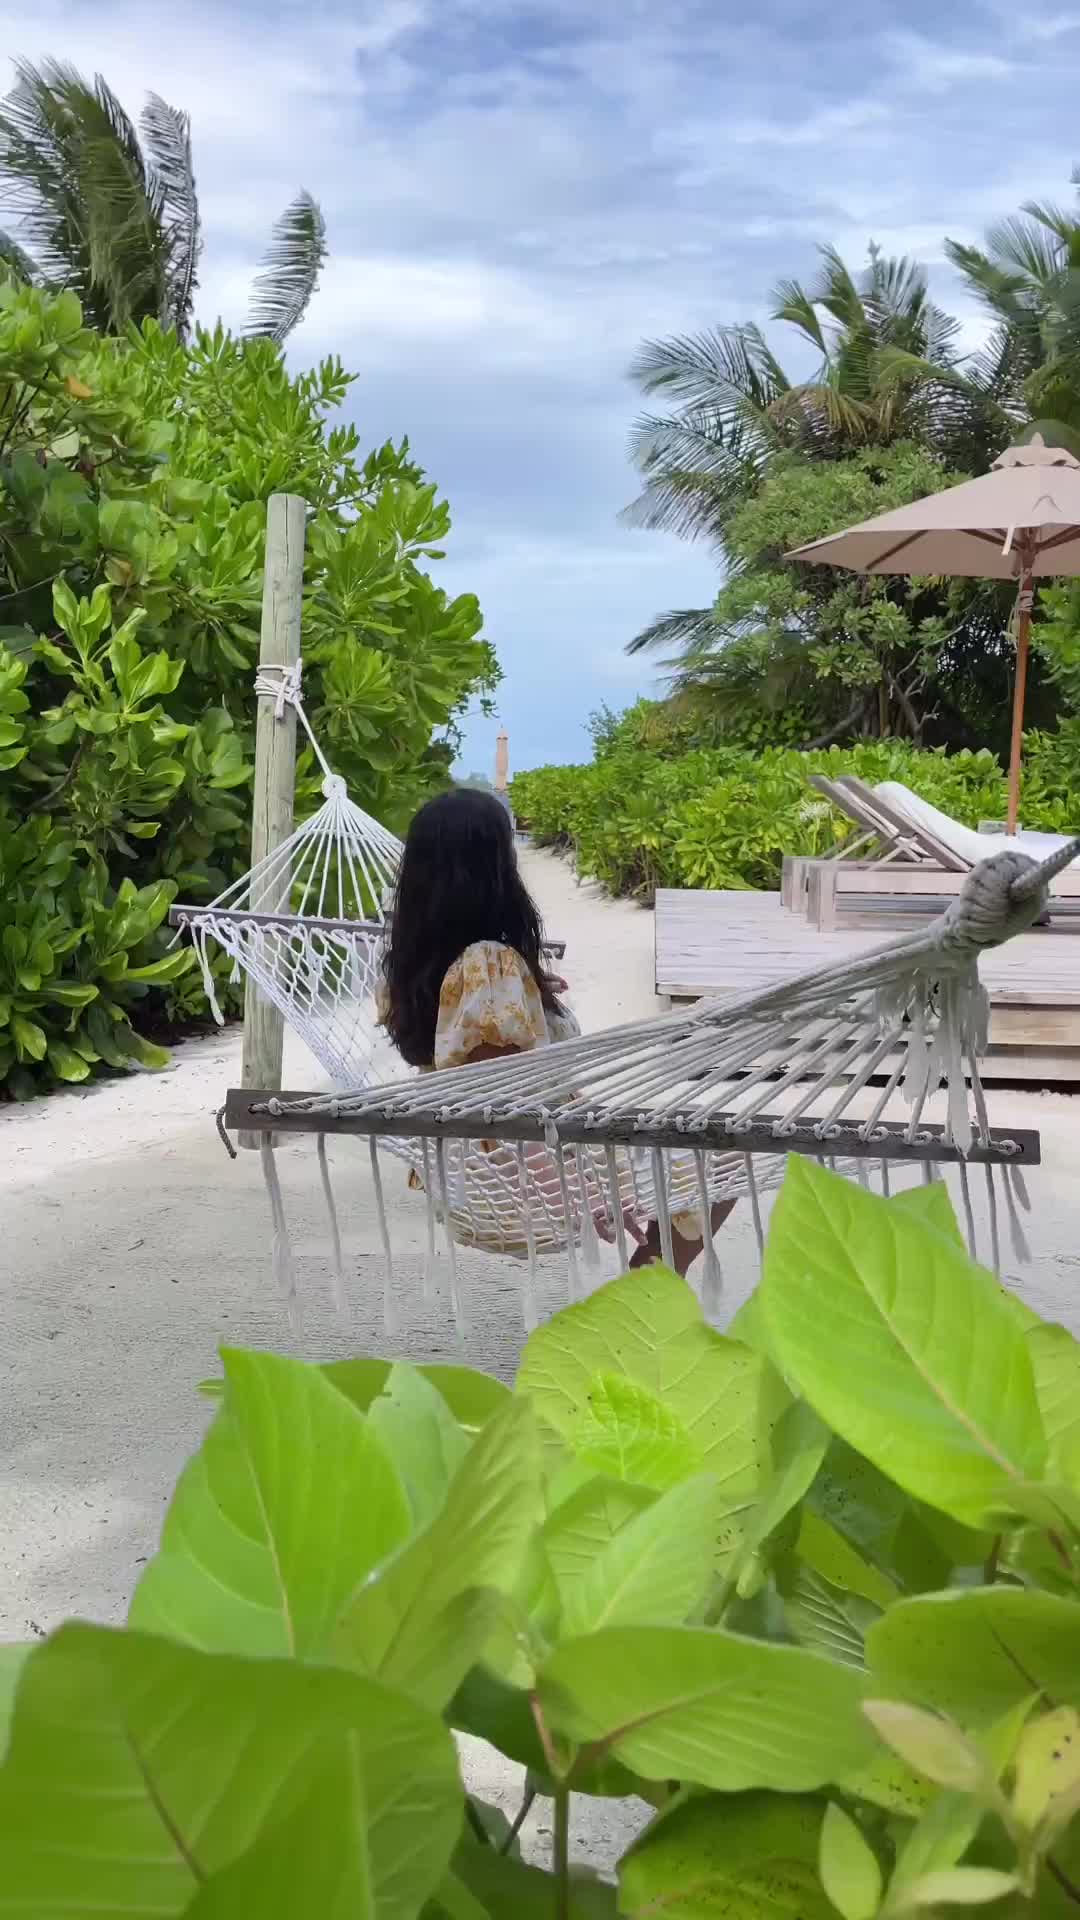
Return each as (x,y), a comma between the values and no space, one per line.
(132,1247)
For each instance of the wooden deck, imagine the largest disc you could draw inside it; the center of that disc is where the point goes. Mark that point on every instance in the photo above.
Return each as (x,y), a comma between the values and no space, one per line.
(721,944)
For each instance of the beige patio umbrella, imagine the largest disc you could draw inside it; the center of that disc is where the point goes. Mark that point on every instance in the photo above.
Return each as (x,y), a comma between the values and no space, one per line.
(1020,521)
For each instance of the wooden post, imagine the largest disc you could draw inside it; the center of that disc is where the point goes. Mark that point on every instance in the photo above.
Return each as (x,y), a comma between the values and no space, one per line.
(1023,643)
(275,762)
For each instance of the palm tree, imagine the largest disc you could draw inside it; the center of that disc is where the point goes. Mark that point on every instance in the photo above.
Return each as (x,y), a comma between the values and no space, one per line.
(888,369)
(111,210)
(885,351)
(1028,279)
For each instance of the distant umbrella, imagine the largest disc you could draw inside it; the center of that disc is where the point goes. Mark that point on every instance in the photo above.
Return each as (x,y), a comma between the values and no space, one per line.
(1020,521)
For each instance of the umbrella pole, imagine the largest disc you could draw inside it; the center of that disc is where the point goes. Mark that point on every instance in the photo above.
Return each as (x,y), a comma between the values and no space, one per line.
(1023,643)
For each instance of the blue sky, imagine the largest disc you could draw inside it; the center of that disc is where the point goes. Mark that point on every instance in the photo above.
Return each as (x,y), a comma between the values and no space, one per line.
(517,194)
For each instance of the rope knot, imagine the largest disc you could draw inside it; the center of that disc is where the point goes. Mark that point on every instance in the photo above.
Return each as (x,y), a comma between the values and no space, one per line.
(987,910)
(279,684)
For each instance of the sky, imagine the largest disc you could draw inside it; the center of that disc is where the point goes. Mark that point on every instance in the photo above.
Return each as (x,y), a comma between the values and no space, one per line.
(516,195)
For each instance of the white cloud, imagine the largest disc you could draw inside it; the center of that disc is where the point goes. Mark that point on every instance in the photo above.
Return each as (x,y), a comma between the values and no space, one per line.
(817,129)
(517,194)
(931,67)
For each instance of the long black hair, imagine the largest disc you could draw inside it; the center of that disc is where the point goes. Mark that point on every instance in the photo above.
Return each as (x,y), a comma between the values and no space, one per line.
(458,883)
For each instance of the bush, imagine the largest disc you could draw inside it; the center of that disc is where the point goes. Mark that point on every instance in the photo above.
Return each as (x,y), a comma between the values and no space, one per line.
(832,1636)
(639,818)
(134,475)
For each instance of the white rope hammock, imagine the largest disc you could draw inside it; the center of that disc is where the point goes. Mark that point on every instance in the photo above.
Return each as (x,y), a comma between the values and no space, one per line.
(307,923)
(557,1148)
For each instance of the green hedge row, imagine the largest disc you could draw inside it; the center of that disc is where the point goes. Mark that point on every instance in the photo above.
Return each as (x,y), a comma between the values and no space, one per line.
(637,820)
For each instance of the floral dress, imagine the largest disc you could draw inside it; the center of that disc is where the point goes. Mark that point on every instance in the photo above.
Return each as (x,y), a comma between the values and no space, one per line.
(489,998)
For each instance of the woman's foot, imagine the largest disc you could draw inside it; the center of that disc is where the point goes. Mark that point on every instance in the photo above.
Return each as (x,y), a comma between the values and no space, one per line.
(684,1251)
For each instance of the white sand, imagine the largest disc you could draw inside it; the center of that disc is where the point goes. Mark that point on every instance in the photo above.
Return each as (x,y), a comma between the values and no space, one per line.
(132,1247)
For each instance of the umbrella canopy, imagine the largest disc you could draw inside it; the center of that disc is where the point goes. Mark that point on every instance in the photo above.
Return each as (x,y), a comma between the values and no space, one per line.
(1020,521)
(1024,515)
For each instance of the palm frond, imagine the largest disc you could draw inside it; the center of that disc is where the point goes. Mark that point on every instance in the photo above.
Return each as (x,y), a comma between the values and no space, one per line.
(1027,245)
(683,628)
(791,302)
(836,290)
(1004,292)
(1054,218)
(844,414)
(15,262)
(697,369)
(125,228)
(73,174)
(289,271)
(39,173)
(894,285)
(167,135)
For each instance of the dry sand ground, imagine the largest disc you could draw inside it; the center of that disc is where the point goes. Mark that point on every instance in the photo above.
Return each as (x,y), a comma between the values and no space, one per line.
(130,1247)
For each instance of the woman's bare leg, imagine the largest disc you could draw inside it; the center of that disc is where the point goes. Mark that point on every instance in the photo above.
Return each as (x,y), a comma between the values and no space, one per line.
(684,1251)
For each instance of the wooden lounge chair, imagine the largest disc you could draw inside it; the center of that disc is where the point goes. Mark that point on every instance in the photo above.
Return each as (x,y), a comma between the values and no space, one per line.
(878,839)
(930,853)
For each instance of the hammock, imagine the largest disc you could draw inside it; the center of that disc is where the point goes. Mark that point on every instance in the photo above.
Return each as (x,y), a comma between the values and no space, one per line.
(554,1149)
(307,924)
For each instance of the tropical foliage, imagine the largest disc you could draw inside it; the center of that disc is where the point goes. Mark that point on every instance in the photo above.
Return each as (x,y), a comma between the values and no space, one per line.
(655,810)
(892,388)
(134,475)
(889,369)
(110,210)
(832,1638)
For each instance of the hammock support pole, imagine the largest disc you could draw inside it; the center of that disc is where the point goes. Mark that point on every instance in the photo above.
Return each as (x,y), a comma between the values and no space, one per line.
(275,762)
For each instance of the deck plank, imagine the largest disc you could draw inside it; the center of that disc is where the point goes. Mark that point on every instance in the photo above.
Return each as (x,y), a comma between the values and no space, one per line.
(713,943)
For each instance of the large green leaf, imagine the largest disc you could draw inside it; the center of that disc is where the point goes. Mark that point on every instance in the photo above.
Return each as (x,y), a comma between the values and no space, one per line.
(584,1524)
(471,1397)
(902,1344)
(753,1857)
(315,1860)
(654,1571)
(1055,1356)
(831,1555)
(426,1444)
(625,1431)
(934,1208)
(138,1767)
(974,1654)
(798,1446)
(825,1617)
(12,1660)
(860,1501)
(506,1887)
(422,1622)
(290,1503)
(648,1328)
(708,1707)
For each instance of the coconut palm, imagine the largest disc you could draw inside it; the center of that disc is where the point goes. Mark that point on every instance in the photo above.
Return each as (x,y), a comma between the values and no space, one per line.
(1028,279)
(111,210)
(888,369)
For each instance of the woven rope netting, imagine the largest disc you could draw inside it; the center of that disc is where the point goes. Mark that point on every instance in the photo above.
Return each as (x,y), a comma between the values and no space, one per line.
(307,923)
(576,1141)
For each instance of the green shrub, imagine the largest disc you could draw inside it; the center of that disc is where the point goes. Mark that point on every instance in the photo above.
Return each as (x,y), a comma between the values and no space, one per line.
(638,818)
(809,1588)
(134,475)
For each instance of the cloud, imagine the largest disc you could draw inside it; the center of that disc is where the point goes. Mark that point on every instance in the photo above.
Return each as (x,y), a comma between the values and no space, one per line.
(933,67)
(518,191)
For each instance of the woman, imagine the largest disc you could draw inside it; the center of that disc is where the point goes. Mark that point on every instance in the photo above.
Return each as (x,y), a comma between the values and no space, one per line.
(464,976)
